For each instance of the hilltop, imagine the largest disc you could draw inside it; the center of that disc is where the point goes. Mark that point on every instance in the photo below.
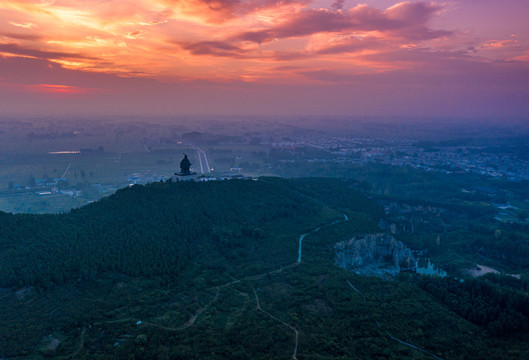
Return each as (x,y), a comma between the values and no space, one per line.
(191,270)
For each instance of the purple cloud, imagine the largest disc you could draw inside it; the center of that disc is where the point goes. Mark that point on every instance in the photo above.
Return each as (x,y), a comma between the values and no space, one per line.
(405,19)
(18,50)
(219,11)
(214,48)
(337,5)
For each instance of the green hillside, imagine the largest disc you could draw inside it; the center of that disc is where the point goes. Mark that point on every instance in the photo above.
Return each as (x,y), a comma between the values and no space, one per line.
(209,270)
(170,229)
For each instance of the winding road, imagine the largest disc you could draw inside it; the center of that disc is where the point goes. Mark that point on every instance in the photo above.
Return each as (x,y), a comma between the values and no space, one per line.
(346,218)
(358,291)
(193,318)
(389,334)
(189,322)
(296,332)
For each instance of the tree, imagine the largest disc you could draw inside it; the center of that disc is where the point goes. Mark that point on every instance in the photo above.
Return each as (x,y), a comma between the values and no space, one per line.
(497,234)
(141,339)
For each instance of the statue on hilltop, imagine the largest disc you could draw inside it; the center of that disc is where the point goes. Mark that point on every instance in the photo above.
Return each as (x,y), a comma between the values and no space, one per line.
(185,165)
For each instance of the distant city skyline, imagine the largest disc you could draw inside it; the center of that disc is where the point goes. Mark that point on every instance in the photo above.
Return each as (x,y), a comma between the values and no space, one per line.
(467,59)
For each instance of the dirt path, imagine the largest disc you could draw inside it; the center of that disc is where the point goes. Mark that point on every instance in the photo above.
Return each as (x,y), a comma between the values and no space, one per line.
(358,291)
(191,320)
(79,347)
(277,271)
(411,345)
(296,332)
(390,335)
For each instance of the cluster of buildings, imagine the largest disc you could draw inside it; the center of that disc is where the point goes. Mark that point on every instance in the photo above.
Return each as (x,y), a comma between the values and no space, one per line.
(44,186)
(404,152)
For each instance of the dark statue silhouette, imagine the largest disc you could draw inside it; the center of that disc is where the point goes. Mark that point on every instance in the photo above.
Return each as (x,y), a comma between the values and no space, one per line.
(185,164)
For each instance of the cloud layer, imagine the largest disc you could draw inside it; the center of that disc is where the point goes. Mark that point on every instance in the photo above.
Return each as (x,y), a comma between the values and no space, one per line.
(263,42)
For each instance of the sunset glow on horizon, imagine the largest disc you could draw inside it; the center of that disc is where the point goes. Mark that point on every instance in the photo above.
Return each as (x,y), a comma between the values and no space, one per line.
(446,58)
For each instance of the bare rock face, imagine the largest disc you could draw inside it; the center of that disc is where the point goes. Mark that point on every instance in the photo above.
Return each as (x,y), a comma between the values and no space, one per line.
(374,254)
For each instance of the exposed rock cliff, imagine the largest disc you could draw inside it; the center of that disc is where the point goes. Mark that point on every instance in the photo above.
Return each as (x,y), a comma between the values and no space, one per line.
(374,254)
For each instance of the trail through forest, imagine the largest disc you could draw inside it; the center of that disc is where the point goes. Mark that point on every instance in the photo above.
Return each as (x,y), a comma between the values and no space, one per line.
(296,332)
(389,334)
(194,317)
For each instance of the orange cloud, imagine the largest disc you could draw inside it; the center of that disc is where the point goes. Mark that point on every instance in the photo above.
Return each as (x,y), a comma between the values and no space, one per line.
(524,57)
(222,11)
(171,40)
(22,25)
(56,89)
(495,44)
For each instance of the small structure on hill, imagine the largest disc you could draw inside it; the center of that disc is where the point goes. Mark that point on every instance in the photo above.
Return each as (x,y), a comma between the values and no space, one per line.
(185,173)
(185,166)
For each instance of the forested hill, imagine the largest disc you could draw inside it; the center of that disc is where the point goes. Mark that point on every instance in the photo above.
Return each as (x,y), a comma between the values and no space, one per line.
(173,230)
(210,270)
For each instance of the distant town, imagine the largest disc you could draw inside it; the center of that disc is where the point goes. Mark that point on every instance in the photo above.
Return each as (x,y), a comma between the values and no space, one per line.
(407,152)
(54,165)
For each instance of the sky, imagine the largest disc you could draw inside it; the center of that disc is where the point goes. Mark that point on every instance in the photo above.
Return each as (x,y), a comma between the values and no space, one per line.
(467,59)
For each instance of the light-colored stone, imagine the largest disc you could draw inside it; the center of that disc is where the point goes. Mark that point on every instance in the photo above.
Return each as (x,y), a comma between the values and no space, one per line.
(373,254)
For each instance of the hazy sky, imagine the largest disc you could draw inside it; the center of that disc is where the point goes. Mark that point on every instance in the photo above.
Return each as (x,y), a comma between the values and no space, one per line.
(419,58)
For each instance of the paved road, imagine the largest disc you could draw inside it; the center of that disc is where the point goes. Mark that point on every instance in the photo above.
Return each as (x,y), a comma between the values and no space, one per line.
(203,159)
(345,218)
(193,318)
